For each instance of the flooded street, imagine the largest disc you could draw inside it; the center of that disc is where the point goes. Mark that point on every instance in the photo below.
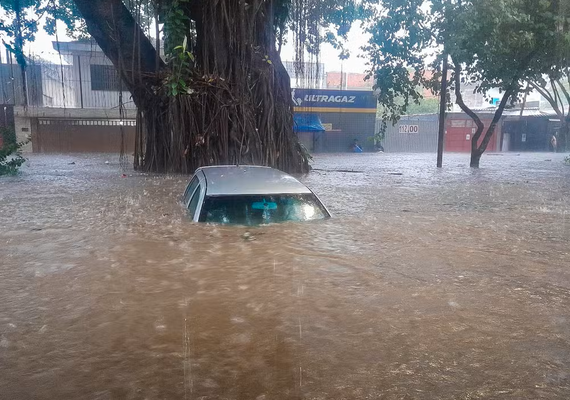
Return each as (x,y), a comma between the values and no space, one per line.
(426,284)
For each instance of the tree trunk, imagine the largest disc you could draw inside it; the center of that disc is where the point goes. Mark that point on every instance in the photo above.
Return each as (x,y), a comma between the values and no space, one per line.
(496,118)
(475,158)
(475,152)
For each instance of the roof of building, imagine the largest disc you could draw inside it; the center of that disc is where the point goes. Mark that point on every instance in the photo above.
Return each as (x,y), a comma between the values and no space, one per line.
(516,112)
(249,180)
(527,112)
(530,112)
(77,46)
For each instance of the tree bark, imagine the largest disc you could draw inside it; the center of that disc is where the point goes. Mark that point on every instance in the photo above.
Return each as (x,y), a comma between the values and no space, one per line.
(442,110)
(123,42)
(475,154)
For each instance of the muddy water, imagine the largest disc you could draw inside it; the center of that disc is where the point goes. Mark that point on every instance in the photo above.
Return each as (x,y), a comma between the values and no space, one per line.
(427,284)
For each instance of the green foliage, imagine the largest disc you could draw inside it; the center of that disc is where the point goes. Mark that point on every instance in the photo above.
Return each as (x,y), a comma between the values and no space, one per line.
(66,12)
(181,61)
(8,136)
(315,22)
(176,25)
(23,17)
(425,106)
(503,43)
(403,37)
(492,44)
(10,153)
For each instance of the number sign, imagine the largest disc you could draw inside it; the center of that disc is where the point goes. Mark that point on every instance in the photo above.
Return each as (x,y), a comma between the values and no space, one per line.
(409,129)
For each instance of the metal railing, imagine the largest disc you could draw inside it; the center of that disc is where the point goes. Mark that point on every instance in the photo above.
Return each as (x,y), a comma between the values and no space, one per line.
(63,86)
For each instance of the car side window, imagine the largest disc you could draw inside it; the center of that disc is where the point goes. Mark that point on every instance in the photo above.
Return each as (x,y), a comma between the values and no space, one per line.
(190,189)
(194,202)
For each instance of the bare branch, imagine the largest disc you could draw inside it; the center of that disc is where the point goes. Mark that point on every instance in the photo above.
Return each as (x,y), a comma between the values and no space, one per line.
(544,93)
(566,95)
(556,93)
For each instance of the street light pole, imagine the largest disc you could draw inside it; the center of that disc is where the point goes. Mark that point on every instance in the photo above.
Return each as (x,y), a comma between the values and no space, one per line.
(442,107)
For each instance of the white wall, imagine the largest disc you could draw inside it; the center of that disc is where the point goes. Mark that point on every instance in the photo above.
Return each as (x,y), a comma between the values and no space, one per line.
(97,98)
(58,92)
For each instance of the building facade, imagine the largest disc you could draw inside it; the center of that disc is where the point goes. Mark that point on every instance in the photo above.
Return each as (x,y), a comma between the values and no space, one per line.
(345,115)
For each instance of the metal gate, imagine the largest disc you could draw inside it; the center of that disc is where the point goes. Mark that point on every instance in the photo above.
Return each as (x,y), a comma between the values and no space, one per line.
(84,136)
(412,134)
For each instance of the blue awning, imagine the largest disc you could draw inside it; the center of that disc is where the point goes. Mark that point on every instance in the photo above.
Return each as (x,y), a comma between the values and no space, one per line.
(307,123)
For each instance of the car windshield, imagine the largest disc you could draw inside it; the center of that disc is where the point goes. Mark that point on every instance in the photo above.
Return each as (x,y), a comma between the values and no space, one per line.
(261,209)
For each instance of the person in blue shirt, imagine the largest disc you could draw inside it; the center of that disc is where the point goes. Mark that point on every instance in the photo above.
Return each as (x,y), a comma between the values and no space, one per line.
(356,147)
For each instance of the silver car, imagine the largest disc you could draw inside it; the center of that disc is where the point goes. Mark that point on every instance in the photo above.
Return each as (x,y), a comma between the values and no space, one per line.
(249,195)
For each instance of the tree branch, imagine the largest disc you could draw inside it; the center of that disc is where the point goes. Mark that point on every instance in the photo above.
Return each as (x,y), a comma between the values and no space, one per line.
(465,109)
(544,93)
(556,93)
(566,95)
(496,118)
(109,21)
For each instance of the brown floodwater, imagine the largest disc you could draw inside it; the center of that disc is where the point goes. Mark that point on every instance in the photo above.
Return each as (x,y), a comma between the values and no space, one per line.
(426,284)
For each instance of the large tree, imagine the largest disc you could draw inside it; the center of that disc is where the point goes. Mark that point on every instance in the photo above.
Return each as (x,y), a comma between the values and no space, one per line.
(221,97)
(489,43)
(220,94)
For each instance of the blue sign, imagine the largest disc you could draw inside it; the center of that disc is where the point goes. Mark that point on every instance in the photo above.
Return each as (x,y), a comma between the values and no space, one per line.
(322,100)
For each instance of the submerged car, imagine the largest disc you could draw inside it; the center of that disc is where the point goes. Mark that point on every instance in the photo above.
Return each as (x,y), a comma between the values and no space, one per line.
(249,195)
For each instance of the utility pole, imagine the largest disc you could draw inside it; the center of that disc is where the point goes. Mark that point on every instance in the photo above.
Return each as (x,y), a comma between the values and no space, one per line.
(442,107)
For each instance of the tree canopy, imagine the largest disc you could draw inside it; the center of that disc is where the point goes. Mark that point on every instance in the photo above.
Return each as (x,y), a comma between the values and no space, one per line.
(489,43)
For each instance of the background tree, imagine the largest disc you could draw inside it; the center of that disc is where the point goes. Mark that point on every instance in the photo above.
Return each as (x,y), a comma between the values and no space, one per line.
(491,44)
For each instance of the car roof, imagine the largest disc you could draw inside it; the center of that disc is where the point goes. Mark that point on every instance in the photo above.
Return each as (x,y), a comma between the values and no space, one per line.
(249,180)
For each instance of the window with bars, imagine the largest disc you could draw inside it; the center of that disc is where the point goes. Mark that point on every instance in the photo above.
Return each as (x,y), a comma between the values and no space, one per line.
(104,77)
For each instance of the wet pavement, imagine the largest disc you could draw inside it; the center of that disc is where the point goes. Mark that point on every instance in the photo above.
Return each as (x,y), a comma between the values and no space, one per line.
(426,284)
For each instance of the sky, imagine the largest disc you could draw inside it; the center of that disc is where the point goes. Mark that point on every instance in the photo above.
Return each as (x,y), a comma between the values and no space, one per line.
(329,56)
(42,47)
